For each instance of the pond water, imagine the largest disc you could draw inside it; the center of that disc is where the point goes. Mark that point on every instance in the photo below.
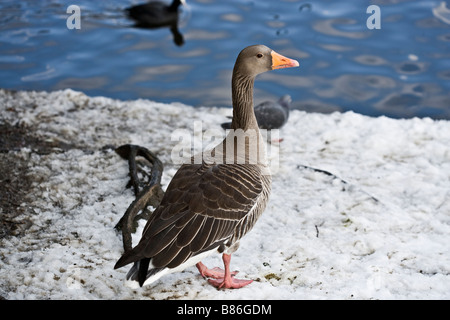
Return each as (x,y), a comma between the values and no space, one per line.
(400,70)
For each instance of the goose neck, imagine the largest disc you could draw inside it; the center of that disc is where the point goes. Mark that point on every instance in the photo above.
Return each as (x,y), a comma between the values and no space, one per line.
(242,96)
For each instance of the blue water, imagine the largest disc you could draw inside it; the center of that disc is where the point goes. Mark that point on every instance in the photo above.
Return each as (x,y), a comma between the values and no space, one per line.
(401,70)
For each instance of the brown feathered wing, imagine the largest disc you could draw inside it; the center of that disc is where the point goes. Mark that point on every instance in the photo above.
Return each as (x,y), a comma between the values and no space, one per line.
(205,206)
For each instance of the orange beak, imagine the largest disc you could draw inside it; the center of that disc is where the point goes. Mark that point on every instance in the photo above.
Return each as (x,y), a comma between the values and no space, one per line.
(280,62)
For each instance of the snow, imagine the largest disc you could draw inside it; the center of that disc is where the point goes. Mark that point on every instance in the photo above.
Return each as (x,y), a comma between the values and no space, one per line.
(378,228)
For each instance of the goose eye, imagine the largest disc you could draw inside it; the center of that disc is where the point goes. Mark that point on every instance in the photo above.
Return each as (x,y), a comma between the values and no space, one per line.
(259,55)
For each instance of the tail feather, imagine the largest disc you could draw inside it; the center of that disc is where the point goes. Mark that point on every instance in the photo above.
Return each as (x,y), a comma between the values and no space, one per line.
(139,272)
(143,270)
(127,258)
(133,273)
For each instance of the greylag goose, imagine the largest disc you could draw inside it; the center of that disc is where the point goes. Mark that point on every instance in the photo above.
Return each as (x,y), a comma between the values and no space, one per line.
(156,14)
(214,200)
(270,114)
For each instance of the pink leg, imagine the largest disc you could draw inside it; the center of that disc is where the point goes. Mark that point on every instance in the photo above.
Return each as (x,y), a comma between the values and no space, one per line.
(215,273)
(227,281)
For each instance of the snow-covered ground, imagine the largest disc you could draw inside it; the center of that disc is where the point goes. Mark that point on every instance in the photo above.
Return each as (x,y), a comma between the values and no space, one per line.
(384,233)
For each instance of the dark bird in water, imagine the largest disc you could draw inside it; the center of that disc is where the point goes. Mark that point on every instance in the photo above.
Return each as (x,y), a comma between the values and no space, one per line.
(211,203)
(270,114)
(156,14)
